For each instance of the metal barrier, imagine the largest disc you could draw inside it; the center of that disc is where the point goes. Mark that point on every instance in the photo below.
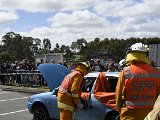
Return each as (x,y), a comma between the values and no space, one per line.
(22,78)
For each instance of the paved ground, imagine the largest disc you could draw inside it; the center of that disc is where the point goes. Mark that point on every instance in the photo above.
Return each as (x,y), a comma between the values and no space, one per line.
(13,101)
(23,89)
(13,106)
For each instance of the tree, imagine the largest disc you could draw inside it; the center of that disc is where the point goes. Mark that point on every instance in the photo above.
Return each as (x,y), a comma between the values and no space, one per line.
(79,45)
(92,48)
(74,47)
(66,52)
(18,47)
(56,49)
(13,45)
(27,50)
(46,45)
(4,56)
(36,46)
(57,45)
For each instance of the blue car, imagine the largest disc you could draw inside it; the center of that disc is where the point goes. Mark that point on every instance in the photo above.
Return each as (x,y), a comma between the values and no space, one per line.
(43,106)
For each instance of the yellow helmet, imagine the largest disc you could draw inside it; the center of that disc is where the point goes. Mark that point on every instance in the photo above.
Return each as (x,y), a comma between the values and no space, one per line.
(84,64)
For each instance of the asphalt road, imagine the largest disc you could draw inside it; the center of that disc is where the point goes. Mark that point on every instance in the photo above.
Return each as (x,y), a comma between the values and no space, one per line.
(13,106)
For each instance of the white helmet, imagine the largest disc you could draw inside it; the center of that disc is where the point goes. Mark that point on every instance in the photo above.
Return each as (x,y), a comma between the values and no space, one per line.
(138,47)
(122,62)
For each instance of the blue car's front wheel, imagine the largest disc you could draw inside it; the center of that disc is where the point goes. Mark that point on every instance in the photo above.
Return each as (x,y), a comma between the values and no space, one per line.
(40,113)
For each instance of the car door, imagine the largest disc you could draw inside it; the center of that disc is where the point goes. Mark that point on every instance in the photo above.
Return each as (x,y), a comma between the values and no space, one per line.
(85,114)
(98,109)
(103,101)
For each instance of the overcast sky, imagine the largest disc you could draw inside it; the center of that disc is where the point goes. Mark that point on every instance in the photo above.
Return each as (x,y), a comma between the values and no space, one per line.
(65,21)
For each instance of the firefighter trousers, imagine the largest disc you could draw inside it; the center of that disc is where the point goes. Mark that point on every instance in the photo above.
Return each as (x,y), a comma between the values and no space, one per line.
(66,115)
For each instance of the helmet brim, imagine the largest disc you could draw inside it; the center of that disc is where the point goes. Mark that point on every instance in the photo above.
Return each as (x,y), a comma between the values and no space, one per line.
(83,65)
(134,51)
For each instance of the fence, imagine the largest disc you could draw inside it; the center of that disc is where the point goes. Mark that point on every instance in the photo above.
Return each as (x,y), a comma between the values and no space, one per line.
(22,78)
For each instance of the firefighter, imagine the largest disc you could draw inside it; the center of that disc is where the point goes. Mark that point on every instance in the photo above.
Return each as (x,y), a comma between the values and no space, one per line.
(138,85)
(70,90)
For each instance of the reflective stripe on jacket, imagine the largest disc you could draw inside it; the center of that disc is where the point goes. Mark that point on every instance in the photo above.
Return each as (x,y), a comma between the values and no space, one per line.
(65,106)
(141,86)
(147,117)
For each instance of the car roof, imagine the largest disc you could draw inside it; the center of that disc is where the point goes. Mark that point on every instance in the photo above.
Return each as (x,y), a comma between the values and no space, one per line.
(110,74)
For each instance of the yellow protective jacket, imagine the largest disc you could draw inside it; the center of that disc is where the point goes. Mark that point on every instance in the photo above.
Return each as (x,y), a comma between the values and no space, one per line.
(70,90)
(125,113)
(154,114)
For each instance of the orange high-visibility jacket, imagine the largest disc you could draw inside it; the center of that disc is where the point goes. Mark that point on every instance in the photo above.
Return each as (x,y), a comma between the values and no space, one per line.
(69,91)
(141,86)
(134,113)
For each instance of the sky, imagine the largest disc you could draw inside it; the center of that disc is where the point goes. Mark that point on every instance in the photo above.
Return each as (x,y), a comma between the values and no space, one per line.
(65,21)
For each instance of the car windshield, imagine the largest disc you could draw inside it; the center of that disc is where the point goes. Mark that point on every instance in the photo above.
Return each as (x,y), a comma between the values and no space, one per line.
(113,82)
(88,84)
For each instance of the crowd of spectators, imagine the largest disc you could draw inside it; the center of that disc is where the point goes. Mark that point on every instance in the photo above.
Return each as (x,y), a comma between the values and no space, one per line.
(17,72)
(25,72)
(96,65)
(9,67)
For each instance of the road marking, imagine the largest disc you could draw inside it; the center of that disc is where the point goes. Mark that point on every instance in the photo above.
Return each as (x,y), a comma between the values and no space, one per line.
(13,99)
(4,92)
(13,112)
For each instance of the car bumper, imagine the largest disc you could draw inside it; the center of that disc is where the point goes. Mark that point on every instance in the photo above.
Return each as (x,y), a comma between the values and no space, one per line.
(29,106)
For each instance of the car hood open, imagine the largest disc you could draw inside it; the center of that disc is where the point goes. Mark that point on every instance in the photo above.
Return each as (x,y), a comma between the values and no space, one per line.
(53,74)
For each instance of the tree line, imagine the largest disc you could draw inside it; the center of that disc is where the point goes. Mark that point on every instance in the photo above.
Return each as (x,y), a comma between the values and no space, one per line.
(16,47)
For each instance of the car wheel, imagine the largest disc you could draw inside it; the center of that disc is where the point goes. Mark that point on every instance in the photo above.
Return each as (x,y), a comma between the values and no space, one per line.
(112,116)
(40,113)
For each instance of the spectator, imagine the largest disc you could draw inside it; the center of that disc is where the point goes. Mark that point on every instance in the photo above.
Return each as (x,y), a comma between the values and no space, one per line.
(32,66)
(25,65)
(92,65)
(15,65)
(72,66)
(111,67)
(65,64)
(53,61)
(41,62)
(60,62)
(99,66)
